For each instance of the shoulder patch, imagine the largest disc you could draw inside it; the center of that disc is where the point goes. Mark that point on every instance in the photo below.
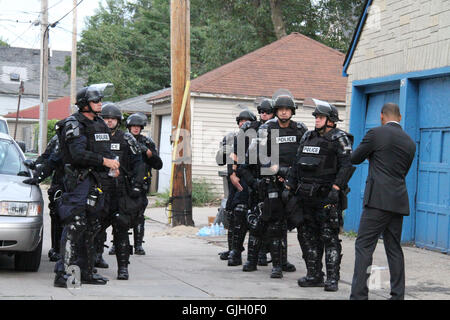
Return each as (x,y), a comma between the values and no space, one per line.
(72,127)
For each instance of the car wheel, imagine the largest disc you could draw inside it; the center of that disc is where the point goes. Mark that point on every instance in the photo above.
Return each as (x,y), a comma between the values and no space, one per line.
(28,261)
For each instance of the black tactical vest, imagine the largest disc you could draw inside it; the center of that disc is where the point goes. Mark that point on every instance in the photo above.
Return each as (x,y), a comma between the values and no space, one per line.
(288,140)
(119,147)
(317,159)
(96,131)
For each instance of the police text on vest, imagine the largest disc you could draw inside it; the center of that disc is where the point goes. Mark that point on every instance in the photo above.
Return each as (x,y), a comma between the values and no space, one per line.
(314,150)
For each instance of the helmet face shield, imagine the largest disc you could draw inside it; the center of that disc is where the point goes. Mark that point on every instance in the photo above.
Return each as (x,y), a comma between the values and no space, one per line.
(94,92)
(98,91)
(105,89)
(322,108)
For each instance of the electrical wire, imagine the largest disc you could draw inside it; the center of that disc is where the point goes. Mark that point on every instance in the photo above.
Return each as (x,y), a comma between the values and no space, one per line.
(56,22)
(20,36)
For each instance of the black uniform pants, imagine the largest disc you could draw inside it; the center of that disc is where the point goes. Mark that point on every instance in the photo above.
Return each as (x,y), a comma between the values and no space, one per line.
(113,191)
(316,236)
(375,222)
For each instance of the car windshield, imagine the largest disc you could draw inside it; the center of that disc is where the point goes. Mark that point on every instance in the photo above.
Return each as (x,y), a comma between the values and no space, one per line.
(10,160)
(3,127)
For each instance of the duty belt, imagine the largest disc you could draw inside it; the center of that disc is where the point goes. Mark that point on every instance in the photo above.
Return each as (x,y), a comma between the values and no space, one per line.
(312,189)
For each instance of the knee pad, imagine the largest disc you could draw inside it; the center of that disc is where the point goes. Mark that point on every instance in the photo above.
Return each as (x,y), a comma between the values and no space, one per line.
(78,224)
(330,237)
(122,221)
(240,209)
(240,213)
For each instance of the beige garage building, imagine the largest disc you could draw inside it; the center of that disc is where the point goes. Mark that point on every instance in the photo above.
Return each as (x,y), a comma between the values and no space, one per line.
(304,66)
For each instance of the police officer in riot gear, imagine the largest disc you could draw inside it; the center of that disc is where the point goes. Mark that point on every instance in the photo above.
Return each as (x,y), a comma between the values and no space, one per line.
(274,151)
(85,146)
(48,163)
(319,179)
(135,124)
(239,199)
(223,158)
(265,111)
(125,146)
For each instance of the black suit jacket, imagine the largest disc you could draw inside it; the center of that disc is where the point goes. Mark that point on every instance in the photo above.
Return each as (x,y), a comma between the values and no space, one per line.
(390,152)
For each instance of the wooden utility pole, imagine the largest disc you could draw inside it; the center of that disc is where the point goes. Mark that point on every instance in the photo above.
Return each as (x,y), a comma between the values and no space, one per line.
(181,200)
(73,61)
(43,106)
(18,108)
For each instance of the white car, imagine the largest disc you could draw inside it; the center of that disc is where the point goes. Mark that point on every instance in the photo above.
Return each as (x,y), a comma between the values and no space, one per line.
(4,125)
(21,209)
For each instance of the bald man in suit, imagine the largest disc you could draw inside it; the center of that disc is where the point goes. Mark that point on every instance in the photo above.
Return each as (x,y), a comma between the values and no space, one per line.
(390,152)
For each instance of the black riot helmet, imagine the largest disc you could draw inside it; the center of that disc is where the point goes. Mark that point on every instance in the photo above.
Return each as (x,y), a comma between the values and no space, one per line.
(110,110)
(81,98)
(137,119)
(326,109)
(94,92)
(245,115)
(283,98)
(264,105)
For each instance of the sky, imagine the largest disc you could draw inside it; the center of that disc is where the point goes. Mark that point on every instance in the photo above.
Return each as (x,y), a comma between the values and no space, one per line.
(18,30)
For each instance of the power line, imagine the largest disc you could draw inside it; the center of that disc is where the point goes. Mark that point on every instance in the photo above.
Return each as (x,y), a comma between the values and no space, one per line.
(17,21)
(55,23)
(52,6)
(20,36)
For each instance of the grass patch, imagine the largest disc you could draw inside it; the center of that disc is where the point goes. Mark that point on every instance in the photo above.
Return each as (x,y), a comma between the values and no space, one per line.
(350,234)
(202,195)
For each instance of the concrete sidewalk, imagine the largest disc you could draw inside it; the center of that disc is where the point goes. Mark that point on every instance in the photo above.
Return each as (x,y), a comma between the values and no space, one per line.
(181,265)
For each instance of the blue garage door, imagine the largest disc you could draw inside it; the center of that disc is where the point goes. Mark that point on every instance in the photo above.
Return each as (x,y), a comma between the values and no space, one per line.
(433,179)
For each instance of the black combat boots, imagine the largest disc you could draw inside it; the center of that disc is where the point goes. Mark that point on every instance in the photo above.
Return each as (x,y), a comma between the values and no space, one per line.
(234,258)
(286,265)
(253,253)
(100,262)
(314,275)
(276,254)
(138,234)
(333,268)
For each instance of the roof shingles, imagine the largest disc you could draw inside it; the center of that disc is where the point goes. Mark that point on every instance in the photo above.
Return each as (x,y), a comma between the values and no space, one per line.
(57,109)
(295,62)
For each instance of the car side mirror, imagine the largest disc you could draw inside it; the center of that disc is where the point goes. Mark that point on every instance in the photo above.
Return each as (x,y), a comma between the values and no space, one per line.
(29,164)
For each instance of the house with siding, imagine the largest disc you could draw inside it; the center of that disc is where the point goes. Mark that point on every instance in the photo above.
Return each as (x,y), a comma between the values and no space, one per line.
(29,118)
(23,64)
(295,62)
(400,53)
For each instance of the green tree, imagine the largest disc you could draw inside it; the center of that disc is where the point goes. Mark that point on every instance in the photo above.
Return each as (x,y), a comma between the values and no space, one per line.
(3,43)
(50,132)
(128,43)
